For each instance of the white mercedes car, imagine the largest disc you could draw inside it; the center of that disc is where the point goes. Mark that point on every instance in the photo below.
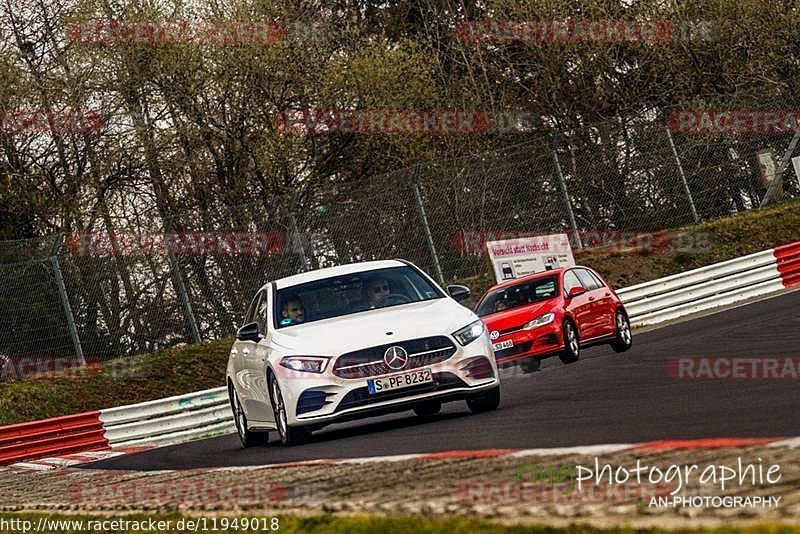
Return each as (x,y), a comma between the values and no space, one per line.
(355,341)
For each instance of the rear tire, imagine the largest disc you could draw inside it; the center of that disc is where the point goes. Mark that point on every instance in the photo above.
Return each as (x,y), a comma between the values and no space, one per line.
(289,435)
(572,343)
(530,365)
(428,408)
(247,437)
(484,402)
(624,339)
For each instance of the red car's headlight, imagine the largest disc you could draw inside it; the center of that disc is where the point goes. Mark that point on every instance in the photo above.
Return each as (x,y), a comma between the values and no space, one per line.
(542,320)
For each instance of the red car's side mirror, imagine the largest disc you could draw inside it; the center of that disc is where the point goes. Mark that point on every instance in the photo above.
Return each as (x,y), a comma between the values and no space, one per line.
(575,291)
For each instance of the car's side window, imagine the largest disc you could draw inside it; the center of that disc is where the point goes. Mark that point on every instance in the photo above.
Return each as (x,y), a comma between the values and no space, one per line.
(570,281)
(251,310)
(597,281)
(261,313)
(587,280)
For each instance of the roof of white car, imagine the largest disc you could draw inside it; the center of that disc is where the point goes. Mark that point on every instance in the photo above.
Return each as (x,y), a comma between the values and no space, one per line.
(328,272)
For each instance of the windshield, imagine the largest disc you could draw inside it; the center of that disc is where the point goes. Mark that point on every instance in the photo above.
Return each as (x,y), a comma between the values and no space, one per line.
(518,295)
(351,293)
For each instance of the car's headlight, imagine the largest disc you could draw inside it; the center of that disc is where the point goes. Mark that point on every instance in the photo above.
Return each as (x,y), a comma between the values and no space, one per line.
(306,364)
(542,320)
(470,333)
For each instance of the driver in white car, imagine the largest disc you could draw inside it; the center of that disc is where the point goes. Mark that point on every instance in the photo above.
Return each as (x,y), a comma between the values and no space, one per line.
(378,291)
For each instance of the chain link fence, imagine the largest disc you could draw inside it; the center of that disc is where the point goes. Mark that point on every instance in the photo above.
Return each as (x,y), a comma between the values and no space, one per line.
(129,288)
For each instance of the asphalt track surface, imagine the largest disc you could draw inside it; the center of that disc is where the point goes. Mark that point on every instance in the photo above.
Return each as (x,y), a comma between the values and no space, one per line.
(603,398)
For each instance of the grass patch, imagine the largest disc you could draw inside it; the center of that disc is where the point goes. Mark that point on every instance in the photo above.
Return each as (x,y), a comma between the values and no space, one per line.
(694,246)
(173,371)
(328,524)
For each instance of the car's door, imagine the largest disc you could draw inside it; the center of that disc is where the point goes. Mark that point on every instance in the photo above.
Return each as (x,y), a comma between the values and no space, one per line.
(597,310)
(579,305)
(248,358)
(260,409)
(607,305)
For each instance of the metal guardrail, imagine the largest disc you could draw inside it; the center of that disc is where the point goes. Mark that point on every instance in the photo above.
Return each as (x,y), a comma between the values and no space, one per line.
(713,286)
(171,420)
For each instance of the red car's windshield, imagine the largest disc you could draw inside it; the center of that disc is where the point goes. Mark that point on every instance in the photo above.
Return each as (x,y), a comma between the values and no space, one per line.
(517,295)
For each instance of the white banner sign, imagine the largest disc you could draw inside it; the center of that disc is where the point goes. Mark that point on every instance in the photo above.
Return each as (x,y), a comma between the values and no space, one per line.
(515,258)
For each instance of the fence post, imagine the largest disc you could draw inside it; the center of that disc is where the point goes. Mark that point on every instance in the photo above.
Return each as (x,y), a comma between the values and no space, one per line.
(683,176)
(425,225)
(182,293)
(62,293)
(564,192)
(778,178)
(297,240)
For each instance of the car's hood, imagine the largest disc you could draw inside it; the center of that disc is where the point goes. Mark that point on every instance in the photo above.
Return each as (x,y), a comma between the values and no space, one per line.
(517,316)
(339,335)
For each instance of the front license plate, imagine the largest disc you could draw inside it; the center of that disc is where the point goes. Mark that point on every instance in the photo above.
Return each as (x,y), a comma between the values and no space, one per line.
(405,380)
(507,344)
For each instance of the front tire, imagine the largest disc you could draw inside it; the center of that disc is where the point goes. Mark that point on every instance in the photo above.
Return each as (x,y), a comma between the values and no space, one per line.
(247,437)
(624,339)
(572,343)
(428,408)
(484,402)
(289,435)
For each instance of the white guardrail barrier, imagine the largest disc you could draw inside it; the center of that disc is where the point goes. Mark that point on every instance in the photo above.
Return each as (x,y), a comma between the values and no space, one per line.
(713,286)
(207,413)
(167,421)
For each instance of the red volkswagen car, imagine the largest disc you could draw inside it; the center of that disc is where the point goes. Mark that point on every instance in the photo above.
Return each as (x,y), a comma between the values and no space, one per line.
(553,312)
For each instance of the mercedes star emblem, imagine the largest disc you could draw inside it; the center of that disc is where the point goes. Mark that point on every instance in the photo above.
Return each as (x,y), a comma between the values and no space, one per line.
(395,357)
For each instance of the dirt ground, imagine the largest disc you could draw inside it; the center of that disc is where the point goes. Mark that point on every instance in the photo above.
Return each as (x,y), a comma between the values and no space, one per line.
(497,488)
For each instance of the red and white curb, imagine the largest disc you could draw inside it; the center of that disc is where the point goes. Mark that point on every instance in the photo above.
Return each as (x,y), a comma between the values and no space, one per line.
(71,460)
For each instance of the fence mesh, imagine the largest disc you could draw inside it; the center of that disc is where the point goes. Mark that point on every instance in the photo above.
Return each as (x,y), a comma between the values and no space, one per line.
(621,174)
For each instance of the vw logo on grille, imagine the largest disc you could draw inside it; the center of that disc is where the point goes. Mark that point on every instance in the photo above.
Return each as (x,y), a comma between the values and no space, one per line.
(494,334)
(395,357)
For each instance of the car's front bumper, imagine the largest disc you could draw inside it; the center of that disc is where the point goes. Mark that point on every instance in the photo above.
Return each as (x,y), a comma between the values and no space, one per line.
(539,342)
(348,398)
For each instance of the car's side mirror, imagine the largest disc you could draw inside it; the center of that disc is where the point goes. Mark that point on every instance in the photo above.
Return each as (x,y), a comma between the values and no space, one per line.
(248,332)
(458,292)
(575,291)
